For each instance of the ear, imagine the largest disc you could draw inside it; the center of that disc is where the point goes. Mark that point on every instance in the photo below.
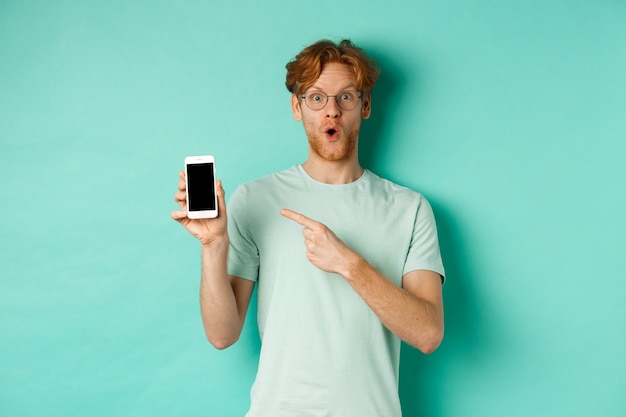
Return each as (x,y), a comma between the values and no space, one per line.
(366,108)
(296,110)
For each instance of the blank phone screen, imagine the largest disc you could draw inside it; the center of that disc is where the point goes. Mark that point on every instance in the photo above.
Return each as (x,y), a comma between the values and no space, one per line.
(201,187)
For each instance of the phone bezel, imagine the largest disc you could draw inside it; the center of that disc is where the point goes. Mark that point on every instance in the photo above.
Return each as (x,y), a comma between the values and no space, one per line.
(200,214)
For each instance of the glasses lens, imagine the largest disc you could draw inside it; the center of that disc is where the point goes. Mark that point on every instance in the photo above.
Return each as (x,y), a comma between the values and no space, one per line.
(316,100)
(347,100)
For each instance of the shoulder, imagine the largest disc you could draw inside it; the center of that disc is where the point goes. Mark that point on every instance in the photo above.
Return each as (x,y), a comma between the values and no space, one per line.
(267,182)
(263,190)
(393,190)
(271,179)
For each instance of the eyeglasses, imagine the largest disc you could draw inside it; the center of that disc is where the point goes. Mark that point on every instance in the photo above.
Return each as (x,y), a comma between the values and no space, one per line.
(346,100)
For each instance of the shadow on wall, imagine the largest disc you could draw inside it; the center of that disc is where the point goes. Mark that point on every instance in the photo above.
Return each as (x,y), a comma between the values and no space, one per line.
(423,378)
(373,129)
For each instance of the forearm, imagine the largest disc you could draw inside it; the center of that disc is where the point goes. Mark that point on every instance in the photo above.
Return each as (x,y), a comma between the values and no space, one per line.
(417,321)
(218,304)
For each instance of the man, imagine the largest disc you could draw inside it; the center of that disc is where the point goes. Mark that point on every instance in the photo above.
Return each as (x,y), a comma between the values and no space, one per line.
(347,263)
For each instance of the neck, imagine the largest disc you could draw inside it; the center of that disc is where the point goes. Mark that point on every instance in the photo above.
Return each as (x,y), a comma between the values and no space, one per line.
(333,172)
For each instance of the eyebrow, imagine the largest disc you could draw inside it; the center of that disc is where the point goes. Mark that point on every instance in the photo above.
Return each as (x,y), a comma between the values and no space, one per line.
(350,86)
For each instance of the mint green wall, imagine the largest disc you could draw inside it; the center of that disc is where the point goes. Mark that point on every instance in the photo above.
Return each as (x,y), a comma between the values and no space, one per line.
(509,116)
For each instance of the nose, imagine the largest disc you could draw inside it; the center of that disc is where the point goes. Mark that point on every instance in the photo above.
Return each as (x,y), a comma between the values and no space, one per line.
(332,108)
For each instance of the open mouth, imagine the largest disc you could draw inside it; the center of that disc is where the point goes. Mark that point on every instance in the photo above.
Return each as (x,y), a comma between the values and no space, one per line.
(332,133)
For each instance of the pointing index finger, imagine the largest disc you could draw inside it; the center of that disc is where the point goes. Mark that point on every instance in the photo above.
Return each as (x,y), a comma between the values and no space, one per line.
(298,218)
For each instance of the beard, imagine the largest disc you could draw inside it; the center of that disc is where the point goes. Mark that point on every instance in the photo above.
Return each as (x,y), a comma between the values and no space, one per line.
(332,151)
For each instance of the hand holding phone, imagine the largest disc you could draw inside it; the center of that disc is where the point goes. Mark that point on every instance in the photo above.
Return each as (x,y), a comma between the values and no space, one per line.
(200,184)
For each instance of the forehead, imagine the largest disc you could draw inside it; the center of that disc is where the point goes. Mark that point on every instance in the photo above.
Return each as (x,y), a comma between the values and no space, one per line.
(335,76)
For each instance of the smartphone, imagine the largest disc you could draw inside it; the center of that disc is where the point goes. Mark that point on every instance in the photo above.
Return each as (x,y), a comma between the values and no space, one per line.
(200,179)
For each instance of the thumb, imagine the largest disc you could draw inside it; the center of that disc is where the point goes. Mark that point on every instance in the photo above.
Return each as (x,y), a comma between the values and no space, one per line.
(221,194)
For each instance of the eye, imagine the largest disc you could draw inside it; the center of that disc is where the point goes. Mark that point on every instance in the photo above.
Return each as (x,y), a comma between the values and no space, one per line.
(346,96)
(316,97)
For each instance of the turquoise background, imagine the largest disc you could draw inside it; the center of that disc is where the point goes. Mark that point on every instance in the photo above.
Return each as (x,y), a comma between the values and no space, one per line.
(509,116)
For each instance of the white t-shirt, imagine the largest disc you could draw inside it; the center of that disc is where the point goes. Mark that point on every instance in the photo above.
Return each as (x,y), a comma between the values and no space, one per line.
(324,352)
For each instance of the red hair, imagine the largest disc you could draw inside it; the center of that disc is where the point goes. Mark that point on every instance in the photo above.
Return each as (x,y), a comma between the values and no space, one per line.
(306,68)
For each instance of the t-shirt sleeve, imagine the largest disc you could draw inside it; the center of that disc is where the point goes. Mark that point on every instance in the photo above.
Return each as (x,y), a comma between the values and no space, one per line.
(424,250)
(243,255)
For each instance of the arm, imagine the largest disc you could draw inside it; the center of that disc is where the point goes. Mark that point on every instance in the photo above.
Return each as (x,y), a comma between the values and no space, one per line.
(224,299)
(414,313)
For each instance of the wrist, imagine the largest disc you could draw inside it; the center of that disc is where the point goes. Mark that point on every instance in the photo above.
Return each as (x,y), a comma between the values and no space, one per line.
(354,266)
(216,243)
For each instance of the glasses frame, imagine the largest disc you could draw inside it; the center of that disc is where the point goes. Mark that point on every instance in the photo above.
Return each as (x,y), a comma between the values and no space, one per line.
(327,97)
